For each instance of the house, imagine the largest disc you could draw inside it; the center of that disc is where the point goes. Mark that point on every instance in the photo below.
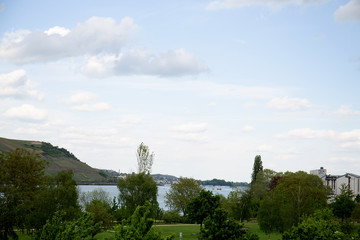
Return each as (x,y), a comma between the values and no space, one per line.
(336,181)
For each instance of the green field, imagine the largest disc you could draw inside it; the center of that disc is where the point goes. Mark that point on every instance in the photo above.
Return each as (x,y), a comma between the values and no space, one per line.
(189,232)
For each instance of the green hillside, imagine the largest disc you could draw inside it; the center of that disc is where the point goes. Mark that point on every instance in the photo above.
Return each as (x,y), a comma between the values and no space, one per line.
(58,159)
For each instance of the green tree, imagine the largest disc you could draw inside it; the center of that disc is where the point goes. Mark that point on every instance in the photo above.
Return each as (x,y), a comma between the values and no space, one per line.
(238,204)
(100,204)
(181,193)
(101,211)
(139,227)
(59,229)
(97,194)
(135,190)
(144,158)
(321,226)
(21,176)
(219,226)
(269,214)
(343,204)
(258,167)
(202,206)
(56,194)
(67,194)
(295,195)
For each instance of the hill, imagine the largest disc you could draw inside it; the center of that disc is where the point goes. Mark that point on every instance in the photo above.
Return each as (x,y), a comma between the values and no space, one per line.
(58,159)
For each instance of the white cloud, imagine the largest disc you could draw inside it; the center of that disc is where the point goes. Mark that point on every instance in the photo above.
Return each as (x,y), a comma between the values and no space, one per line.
(191,128)
(84,101)
(191,137)
(289,103)
(26,112)
(307,133)
(80,97)
(102,42)
(351,145)
(143,62)
(349,140)
(247,128)
(95,107)
(264,148)
(27,131)
(346,111)
(176,63)
(93,36)
(353,135)
(341,160)
(17,84)
(348,12)
(228,4)
(130,120)
(191,132)
(58,30)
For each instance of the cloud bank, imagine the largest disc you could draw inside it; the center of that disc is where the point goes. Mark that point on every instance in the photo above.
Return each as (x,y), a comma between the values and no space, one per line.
(104,44)
(228,4)
(348,12)
(16,84)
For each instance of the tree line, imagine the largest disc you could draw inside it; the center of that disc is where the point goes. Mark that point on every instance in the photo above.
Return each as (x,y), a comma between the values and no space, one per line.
(293,204)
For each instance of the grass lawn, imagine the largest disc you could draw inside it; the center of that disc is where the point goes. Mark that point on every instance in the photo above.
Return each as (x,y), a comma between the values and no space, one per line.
(254,227)
(189,231)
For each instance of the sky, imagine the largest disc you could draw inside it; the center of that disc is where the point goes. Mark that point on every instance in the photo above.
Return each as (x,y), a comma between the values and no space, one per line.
(206,85)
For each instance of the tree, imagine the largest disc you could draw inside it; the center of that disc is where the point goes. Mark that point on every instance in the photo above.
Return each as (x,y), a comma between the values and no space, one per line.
(181,193)
(269,214)
(144,158)
(140,226)
(321,225)
(135,190)
(219,226)
(295,195)
(202,206)
(99,203)
(258,167)
(67,194)
(343,204)
(58,228)
(56,194)
(21,175)
(238,204)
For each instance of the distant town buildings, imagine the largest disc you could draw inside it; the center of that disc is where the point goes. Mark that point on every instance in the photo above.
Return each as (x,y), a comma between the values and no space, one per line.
(336,181)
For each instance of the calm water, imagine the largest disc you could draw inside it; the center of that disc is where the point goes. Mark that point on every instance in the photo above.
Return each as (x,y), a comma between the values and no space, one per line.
(162,190)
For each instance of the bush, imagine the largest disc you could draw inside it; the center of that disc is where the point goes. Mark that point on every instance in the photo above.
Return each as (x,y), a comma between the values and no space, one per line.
(172,217)
(82,228)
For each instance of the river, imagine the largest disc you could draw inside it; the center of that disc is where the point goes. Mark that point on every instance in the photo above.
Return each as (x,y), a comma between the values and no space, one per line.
(162,190)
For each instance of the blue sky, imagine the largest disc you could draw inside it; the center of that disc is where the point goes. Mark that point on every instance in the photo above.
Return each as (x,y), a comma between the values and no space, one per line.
(207,85)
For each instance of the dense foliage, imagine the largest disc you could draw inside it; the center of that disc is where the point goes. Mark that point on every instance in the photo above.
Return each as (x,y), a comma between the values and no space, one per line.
(238,204)
(140,226)
(343,204)
(59,229)
(219,226)
(135,190)
(202,206)
(295,195)
(221,182)
(181,193)
(321,225)
(258,167)
(21,175)
(55,151)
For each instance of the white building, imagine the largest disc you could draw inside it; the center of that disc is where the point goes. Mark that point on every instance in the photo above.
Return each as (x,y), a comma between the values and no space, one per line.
(336,181)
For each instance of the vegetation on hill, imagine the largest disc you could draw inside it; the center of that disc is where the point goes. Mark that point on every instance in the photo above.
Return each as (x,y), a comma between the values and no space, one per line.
(59,159)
